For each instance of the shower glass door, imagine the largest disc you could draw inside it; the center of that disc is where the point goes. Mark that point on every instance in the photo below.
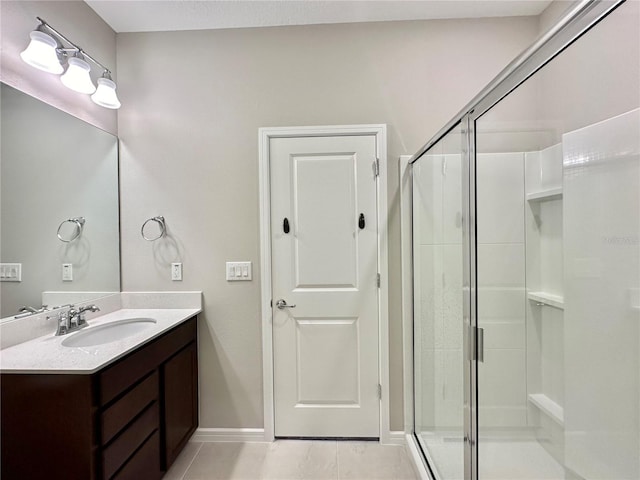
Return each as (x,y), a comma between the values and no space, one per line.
(438,306)
(558,265)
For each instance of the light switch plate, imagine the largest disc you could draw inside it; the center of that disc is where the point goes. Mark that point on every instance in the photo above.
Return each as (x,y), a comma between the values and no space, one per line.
(10,272)
(239,271)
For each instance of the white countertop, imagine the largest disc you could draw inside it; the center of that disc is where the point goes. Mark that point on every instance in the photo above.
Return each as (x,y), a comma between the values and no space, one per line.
(46,354)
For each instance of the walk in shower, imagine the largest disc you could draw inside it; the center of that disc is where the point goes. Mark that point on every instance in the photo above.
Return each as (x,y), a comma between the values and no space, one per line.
(526,264)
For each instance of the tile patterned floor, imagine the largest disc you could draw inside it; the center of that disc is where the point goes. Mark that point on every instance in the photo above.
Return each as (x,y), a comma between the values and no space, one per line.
(292,460)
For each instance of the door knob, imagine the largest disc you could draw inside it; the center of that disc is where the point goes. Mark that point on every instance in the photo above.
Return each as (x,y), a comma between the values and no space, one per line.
(282,304)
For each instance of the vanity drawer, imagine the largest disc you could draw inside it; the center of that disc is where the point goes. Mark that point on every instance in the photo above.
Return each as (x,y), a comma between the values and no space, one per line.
(126,408)
(134,366)
(145,464)
(117,453)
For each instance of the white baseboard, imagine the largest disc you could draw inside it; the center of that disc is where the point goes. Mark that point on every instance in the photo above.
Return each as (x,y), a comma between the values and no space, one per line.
(416,458)
(394,438)
(228,435)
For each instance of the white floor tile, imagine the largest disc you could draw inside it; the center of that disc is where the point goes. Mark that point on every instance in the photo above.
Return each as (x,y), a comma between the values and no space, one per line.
(301,460)
(292,460)
(370,460)
(228,461)
(182,463)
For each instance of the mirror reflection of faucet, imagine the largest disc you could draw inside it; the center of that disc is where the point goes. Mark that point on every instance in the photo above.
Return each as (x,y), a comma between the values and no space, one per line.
(26,310)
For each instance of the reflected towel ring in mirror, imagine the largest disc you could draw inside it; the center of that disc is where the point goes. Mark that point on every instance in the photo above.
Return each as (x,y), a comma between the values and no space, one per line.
(79,225)
(163,228)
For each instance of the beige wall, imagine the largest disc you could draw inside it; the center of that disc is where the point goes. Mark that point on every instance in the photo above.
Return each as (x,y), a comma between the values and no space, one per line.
(80,24)
(596,78)
(192,106)
(553,13)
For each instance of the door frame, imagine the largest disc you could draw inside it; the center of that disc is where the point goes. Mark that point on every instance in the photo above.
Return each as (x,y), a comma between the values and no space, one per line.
(264,137)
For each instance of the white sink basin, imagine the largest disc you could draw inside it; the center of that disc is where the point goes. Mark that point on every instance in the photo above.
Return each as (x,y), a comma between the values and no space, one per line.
(107,333)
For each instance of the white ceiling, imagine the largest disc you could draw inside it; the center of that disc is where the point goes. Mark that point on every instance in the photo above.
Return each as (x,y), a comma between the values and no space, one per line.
(168,15)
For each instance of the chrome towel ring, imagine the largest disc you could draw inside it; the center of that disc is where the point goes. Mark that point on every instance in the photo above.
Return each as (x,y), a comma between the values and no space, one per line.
(79,223)
(163,228)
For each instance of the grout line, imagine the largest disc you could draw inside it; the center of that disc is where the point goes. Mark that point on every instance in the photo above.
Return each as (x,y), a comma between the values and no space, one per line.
(337,462)
(191,462)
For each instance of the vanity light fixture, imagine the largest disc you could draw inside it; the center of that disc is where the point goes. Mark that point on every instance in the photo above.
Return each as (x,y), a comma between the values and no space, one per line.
(77,76)
(46,51)
(105,95)
(42,52)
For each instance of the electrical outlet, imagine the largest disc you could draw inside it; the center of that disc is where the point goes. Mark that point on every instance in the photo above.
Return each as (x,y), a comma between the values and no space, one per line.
(67,272)
(176,272)
(238,271)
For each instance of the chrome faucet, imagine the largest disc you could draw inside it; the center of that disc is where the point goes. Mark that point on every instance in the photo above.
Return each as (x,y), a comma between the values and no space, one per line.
(63,322)
(73,319)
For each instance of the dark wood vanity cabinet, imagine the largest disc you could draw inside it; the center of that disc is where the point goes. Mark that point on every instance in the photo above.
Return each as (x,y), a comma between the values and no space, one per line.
(180,408)
(129,420)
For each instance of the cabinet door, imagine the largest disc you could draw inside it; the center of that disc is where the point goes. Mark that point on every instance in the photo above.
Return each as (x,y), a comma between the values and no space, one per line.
(180,374)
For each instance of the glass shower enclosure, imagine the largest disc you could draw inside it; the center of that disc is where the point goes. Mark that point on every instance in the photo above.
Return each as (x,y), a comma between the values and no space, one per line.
(526,264)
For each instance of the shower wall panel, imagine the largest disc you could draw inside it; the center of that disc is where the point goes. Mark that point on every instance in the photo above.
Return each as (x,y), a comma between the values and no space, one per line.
(501,289)
(602,274)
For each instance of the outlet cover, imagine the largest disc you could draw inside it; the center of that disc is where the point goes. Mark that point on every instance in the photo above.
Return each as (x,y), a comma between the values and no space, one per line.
(67,272)
(176,272)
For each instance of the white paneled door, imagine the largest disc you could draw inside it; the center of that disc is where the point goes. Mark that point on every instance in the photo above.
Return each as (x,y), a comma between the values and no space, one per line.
(324,236)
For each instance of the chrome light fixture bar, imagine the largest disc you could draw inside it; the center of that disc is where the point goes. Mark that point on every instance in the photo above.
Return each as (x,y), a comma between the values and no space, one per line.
(46,52)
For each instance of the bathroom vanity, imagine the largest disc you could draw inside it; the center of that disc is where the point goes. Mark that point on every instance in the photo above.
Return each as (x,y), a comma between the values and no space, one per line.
(124,411)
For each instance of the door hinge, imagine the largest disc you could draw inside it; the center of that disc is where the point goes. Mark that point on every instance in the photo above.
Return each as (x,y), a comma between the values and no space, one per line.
(376,167)
(378,280)
(379,392)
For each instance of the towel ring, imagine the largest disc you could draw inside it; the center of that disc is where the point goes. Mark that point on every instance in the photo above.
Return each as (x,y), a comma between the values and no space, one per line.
(163,228)
(79,223)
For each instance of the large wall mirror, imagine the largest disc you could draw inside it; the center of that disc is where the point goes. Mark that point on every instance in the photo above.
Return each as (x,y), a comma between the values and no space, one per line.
(55,168)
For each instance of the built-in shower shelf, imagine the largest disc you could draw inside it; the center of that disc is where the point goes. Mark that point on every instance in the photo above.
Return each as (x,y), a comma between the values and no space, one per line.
(545,298)
(548,406)
(544,195)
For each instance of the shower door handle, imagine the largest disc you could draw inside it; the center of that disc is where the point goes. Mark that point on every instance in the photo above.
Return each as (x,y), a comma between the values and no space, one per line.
(480,344)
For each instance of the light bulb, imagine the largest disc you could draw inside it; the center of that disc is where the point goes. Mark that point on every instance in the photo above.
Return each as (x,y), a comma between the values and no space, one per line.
(105,95)
(77,76)
(41,53)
